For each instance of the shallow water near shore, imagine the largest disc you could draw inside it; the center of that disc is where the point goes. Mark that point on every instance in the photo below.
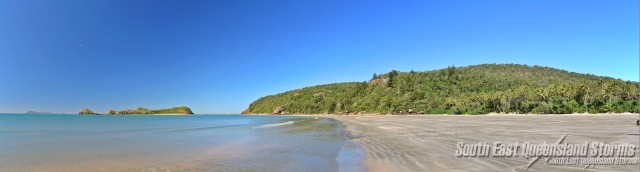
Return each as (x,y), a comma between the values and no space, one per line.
(173,143)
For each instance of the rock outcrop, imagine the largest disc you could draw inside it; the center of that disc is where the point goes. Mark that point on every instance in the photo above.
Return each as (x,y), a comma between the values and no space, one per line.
(86,112)
(379,81)
(278,110)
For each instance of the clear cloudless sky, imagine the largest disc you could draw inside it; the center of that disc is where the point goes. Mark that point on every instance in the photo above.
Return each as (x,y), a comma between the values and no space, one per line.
(219,56)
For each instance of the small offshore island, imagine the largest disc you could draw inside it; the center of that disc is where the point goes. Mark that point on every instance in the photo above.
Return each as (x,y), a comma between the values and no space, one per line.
(182,110)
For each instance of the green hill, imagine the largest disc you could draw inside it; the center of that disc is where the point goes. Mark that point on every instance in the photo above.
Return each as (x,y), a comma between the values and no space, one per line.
(174,110)
(479,89)
(143,111)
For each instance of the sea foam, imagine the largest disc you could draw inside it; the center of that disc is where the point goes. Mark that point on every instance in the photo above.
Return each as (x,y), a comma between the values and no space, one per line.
(274,125)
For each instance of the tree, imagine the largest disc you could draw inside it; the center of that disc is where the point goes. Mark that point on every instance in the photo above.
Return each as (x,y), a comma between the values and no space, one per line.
(451,71)
(392,75)
(375,76)
(584,93)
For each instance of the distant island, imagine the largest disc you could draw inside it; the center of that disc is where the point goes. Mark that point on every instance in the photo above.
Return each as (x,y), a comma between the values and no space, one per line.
(477,89)
(37,112)
(142,111)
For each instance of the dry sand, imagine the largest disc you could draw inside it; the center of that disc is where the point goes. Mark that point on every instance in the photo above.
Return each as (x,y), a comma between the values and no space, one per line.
(428,143)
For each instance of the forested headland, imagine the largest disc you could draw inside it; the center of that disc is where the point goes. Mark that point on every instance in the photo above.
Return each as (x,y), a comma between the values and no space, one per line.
(478,89)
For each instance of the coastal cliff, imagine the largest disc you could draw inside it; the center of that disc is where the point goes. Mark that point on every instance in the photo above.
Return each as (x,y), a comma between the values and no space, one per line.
(182,110)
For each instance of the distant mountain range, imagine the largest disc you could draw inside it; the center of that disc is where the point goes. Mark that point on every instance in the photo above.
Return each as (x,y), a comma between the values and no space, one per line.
(36,112)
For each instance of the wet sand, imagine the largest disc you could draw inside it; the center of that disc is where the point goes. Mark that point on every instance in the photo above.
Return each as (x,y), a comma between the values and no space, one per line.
(428,143)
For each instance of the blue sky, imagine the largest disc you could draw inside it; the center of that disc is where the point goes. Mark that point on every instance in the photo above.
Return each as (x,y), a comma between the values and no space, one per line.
(218,56)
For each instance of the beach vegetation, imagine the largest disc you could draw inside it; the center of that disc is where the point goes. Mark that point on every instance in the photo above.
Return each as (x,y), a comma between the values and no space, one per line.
(478,89)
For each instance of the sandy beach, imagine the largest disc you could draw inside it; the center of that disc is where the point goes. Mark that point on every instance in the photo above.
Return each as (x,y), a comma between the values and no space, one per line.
(428,143)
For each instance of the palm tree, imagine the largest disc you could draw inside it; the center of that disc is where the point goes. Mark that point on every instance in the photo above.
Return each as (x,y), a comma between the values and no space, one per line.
(584,89)
(606,91)
(543,94)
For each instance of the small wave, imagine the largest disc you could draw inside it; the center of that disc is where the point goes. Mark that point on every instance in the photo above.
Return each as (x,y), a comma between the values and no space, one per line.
(204,128)
(274,125)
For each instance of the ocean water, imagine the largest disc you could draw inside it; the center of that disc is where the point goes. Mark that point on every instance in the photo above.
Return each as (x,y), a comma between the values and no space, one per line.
(30,142)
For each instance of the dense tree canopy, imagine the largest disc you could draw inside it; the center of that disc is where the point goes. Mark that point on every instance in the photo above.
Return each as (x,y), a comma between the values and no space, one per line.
(479,89)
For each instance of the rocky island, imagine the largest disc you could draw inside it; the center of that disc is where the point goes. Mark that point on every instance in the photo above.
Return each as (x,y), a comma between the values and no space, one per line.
(182,110)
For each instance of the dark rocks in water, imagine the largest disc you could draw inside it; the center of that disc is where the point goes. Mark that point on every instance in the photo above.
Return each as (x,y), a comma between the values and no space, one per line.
(112,112)
(86,112)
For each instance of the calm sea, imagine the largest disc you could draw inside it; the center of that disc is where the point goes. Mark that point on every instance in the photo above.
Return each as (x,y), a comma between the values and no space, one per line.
(30,142)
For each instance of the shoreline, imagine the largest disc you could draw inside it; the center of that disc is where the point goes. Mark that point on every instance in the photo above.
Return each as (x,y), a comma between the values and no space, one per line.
(489,114)
(351,157)
(427,142)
